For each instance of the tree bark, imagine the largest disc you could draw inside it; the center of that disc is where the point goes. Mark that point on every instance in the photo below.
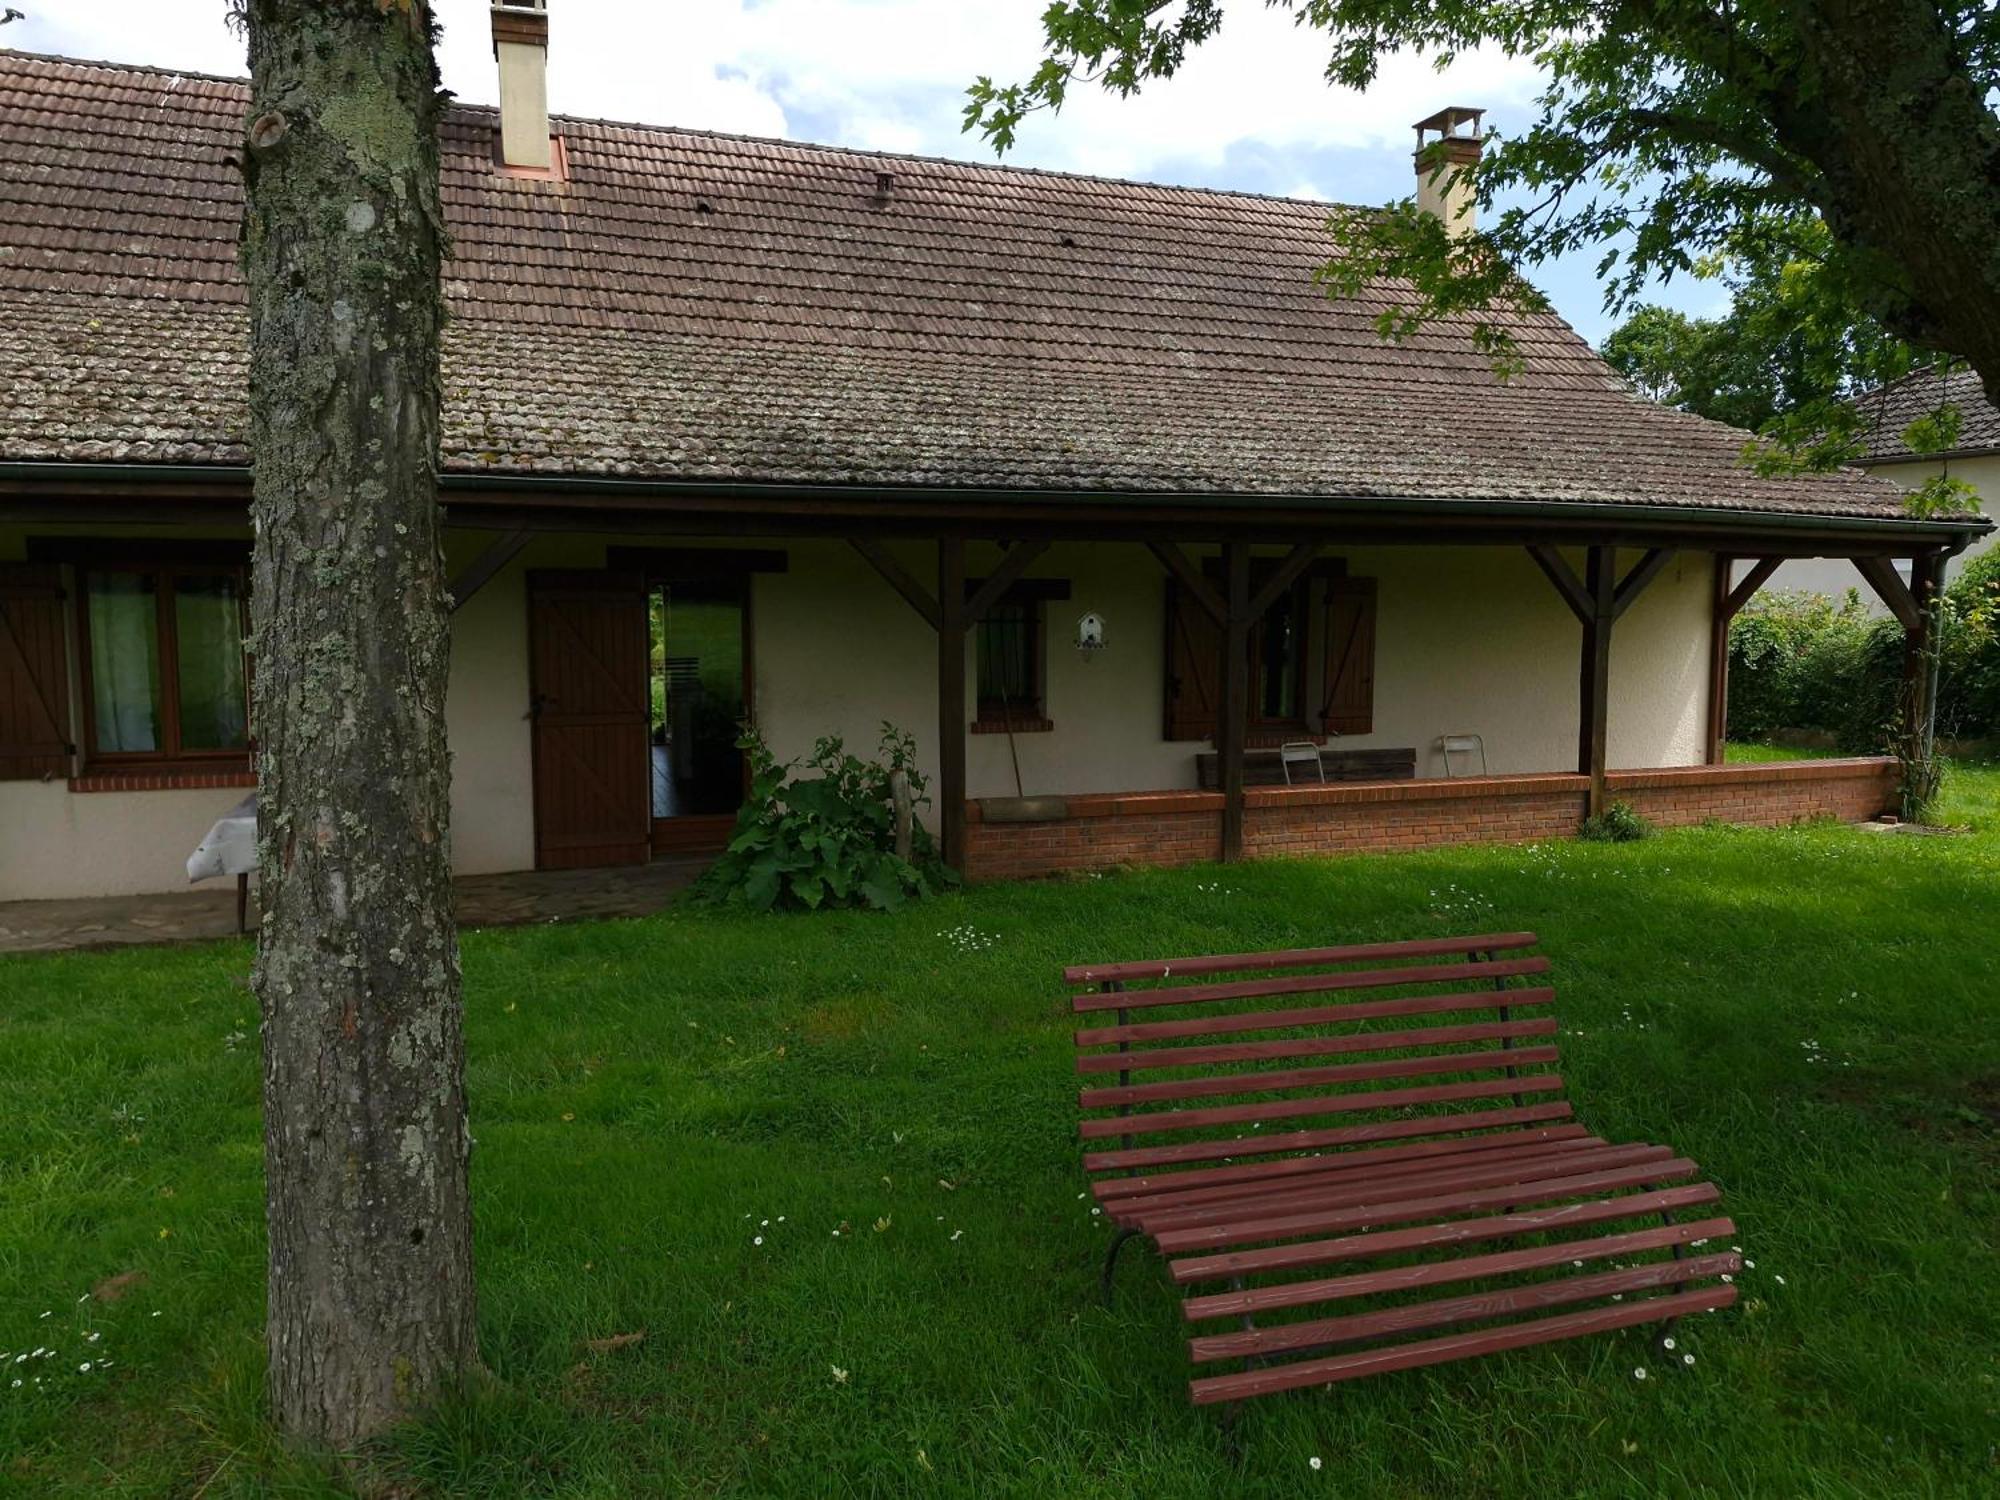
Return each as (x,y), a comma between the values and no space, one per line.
(370,1308)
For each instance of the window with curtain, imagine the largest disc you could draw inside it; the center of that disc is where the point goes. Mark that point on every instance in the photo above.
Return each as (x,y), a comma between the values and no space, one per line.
(164,648)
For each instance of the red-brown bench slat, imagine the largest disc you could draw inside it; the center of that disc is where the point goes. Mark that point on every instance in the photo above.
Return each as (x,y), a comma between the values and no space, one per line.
(1258,1176)
(1330,1046)
(1647,1165)
(1322,1015)
(1268,1191)
(1267,1081)
(1248,1301)
(1476,1307)
(1269,1379)
(1216,963)
(1557,1159)
(1325,1104)
(1350,979)
(1429,1236)
(1310,1140)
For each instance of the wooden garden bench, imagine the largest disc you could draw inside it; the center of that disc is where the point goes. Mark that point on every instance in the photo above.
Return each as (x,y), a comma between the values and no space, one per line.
(1359,1160)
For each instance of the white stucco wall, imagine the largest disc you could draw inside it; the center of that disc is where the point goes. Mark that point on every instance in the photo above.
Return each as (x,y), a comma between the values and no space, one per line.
(1468,640)
(1834,576)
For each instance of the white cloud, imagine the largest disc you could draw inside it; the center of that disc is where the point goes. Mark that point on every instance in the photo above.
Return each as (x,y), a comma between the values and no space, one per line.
(887,74)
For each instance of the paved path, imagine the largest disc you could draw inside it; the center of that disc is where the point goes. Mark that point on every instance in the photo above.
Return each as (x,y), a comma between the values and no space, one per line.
(210,911)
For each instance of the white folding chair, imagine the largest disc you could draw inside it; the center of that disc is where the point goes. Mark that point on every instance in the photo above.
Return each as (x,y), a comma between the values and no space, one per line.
(1300,753)
(1462,744)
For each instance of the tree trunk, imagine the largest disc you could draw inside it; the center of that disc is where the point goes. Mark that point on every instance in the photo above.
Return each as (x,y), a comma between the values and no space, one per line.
(370,1299)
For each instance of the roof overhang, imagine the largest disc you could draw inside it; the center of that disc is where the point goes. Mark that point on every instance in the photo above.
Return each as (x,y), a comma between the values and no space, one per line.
(180,494)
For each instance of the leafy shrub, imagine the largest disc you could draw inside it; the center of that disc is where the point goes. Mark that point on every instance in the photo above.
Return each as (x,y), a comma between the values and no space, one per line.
(826,837)
(1793,660)
(1617,824)
(1802,661)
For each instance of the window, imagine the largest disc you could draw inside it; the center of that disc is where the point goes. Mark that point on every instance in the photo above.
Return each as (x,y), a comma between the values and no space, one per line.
(1010,657)
(1278,663)
(1312,662)
(163,659)
(1008,650)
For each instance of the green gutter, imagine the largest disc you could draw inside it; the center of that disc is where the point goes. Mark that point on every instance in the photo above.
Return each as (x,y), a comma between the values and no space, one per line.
(1946,531)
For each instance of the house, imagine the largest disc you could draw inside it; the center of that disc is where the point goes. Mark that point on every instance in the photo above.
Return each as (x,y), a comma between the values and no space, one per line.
(1082,481)
(1886,414)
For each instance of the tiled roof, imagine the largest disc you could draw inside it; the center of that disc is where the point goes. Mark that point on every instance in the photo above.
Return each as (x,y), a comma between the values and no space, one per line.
(690,306)
(1887,412)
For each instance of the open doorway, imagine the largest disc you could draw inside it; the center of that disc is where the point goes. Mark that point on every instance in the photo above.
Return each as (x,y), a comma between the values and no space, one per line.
(698,687)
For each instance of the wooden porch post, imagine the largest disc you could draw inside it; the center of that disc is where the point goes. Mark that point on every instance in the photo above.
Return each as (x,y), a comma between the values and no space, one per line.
(1919,678)
(952,614)
(1597,600)
(1232,725)
(1910,604)
(1594,684)
(1718,662)
(1729,602)
(951,698)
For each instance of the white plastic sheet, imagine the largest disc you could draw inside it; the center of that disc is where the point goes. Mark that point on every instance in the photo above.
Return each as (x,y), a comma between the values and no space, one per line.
(230,847)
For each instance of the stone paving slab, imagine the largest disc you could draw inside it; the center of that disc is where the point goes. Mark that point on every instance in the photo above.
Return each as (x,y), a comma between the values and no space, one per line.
(208,913)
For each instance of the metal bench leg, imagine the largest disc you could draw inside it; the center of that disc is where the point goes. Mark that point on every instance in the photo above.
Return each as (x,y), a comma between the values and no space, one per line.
(1231,1421)
(1111,1260)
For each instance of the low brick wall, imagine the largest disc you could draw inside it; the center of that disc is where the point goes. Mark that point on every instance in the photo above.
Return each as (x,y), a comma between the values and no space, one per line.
(1768,795)
(1105,830)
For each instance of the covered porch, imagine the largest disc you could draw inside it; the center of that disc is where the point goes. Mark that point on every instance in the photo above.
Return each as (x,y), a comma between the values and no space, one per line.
(1092,682)
(954,561)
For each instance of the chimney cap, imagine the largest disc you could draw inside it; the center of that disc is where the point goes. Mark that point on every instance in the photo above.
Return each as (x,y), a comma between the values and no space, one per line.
(1446,123)
(524,22)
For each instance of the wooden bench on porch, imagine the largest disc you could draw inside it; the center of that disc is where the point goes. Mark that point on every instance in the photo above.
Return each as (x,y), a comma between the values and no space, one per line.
(1448,1203)
(1265,768)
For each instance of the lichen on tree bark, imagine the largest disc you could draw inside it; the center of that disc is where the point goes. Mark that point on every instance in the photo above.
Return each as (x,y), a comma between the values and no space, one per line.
(366,1153)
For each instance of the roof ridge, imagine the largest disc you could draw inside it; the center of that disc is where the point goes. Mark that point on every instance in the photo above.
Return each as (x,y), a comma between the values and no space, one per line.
(1003,169)
(1923,372)
(21,54)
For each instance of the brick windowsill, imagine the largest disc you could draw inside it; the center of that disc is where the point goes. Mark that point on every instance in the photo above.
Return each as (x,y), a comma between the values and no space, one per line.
(162,779)
(1018,726)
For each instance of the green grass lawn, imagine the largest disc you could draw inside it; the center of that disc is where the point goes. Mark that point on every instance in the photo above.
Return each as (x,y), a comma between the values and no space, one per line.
(1811,1014)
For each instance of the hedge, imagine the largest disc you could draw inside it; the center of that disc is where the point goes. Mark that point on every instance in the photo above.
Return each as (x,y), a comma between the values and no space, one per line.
(1804,661)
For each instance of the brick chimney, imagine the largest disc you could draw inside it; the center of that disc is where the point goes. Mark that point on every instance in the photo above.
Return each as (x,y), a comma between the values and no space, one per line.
(1448,145)
(521,46)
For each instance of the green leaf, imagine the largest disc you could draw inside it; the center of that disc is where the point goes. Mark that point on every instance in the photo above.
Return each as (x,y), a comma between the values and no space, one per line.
(761,884)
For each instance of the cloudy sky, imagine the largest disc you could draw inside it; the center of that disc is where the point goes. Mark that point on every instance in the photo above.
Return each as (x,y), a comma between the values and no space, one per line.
(1251,111)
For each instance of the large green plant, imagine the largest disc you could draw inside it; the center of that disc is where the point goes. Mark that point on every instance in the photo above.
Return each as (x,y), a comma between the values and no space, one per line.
(1801,661)
(1796,661)
(826,835)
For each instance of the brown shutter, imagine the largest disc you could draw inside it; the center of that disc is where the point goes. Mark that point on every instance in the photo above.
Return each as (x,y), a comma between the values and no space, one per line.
(1348,704)
(34,674)
(1194,654)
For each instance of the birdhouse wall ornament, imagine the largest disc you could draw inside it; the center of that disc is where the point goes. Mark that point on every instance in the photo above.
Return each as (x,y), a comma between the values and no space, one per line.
(1090,638)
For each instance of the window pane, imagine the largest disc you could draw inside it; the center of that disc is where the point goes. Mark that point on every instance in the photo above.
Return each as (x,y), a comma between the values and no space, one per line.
(208,626)
(1278,661)
(124,660)
(1005,653)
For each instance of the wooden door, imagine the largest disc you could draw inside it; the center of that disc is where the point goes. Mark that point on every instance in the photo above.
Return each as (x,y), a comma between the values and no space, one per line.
(587,680)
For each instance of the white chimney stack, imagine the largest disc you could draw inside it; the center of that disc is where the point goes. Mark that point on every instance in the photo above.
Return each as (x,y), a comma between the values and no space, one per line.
(1445,166)
(521,46)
